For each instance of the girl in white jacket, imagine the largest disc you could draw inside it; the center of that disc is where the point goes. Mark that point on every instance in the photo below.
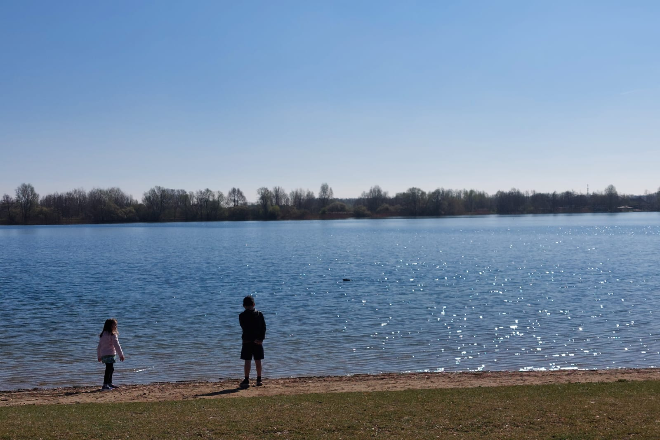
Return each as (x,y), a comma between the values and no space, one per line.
(107,351)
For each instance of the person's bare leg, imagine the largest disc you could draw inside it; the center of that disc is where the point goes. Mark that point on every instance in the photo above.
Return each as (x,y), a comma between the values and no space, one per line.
(248,366)
(257,364)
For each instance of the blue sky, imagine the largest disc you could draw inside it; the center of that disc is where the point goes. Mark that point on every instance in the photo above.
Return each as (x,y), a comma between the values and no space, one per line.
(487,95)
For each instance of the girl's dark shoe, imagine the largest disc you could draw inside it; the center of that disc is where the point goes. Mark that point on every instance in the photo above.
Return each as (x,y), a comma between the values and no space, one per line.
(245,383)
(259,383)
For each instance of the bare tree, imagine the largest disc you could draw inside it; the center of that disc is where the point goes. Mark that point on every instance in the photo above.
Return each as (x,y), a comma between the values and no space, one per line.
(181,201)
(6,204)
(309,200)
(155,200)
(297,198)
(612,198)
(97,203)
(27,200)
(302,198)
(220,198)
(77,200)
(374,198)
(265,199)
(58,203)
(118,197)
(235,197)
(434,202)
(205,201)
(280,197)
(413,199)
(325,194)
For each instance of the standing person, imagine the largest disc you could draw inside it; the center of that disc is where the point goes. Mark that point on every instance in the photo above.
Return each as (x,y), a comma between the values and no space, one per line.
(254,331)
(107,351)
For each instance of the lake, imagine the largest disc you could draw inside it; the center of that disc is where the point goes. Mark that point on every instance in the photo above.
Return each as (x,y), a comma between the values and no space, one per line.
(435,294)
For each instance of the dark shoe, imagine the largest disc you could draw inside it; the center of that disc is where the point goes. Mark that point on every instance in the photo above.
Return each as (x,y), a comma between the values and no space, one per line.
(112,385)
(245,383)
(259,383)
(105,387)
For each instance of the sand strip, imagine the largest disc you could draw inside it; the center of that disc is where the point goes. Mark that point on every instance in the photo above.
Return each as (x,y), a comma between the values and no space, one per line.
(304,385)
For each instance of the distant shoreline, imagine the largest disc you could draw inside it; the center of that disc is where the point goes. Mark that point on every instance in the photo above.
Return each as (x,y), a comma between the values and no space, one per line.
(112,205)
(325,218)
(228,388)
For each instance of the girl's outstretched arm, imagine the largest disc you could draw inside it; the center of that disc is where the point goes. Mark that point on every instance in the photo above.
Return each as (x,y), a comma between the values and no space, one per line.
(115,342)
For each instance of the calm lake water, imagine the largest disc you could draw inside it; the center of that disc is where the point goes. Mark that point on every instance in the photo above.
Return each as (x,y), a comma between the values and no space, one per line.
(442,294)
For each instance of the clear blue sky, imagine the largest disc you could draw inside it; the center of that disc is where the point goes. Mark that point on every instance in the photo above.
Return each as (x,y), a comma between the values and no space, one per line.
(490,95)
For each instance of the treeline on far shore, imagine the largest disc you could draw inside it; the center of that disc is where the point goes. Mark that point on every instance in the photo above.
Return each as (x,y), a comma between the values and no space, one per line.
(160,204)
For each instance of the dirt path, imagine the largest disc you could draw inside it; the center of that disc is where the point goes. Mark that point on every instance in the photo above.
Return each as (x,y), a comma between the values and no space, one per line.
(304,385)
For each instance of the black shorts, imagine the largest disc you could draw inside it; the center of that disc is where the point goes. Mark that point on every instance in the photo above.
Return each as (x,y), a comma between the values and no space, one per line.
(250,350)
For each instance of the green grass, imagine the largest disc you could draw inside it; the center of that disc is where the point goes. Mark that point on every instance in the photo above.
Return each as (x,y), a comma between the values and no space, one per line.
(619,410)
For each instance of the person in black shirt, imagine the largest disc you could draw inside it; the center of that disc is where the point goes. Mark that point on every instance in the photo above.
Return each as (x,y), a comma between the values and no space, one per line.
(254,331)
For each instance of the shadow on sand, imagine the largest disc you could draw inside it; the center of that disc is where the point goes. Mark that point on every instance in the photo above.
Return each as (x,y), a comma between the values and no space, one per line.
(220,393)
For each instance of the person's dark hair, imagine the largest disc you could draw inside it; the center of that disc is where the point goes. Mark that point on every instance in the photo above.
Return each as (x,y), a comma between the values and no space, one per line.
(110,326)
(248,301)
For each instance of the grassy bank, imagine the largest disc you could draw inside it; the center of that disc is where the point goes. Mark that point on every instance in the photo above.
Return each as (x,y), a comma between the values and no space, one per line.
(571,411)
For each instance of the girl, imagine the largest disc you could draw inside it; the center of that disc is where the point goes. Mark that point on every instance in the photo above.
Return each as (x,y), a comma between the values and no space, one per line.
(107,350)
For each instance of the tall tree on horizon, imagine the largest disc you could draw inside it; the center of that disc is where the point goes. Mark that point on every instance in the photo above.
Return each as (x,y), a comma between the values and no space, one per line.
(6,204)
(280,197)
(612,197)
(155,200)
(27,199)
(374,198)
(413,199)
(325,195)
(265,199)
(235,197)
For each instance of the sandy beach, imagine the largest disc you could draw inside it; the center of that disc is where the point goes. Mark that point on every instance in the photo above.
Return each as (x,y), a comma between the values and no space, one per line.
(304,385)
